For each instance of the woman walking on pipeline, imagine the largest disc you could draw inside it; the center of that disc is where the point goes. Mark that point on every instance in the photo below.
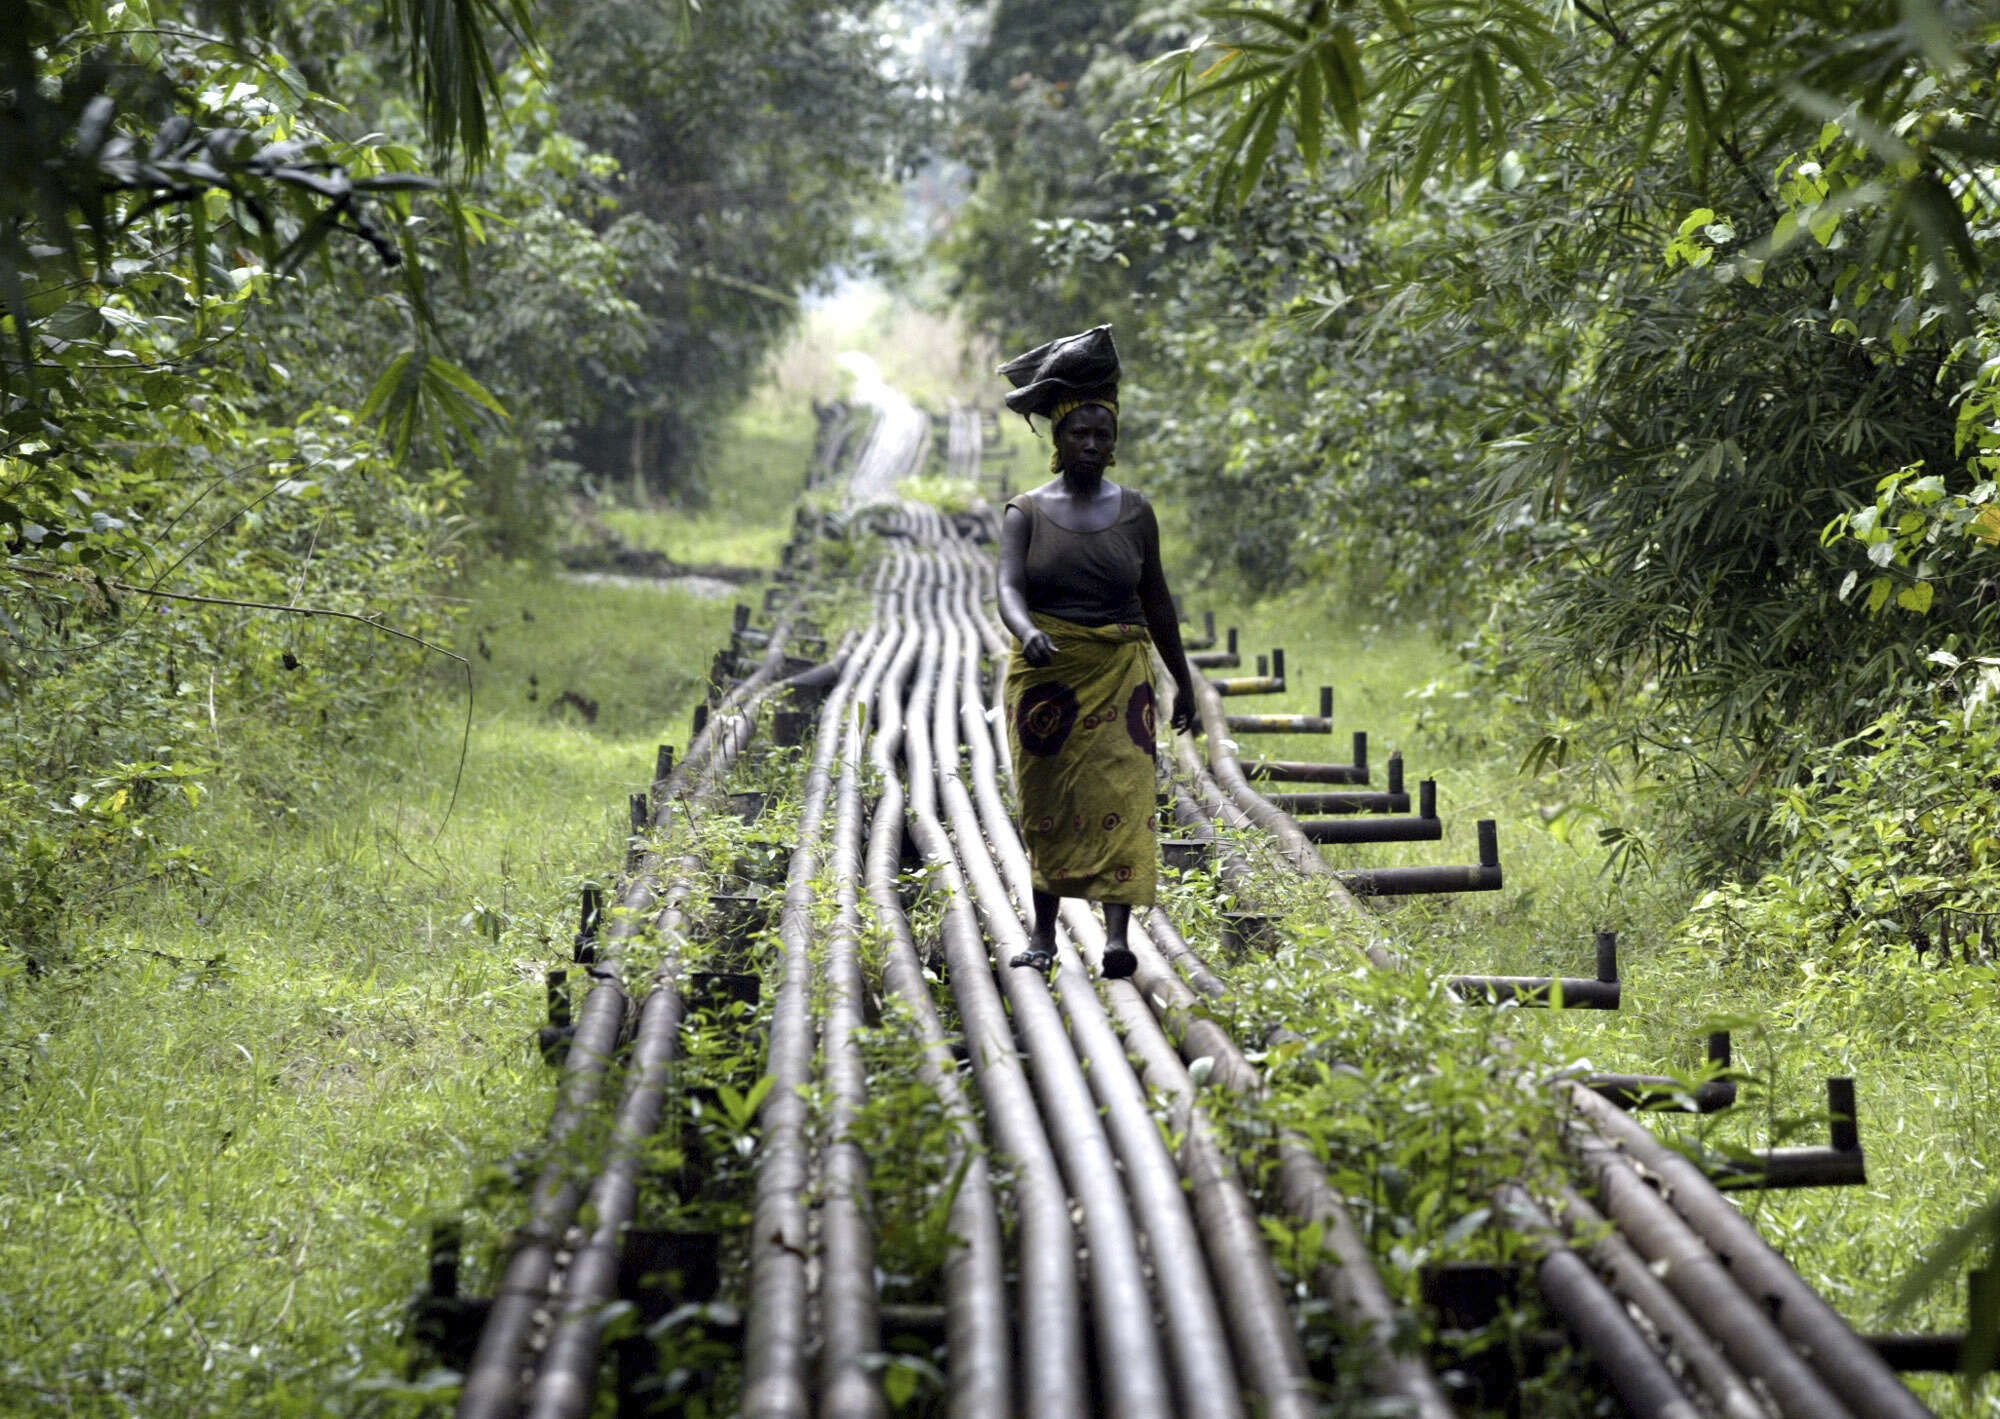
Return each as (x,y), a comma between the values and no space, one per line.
(1083,591)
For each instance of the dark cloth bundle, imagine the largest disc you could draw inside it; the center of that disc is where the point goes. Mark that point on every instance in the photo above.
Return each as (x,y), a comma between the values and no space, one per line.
(1066,369)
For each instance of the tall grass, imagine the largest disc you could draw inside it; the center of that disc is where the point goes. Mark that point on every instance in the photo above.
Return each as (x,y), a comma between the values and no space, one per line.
(754,475)
(231,1117)
(1912,1035)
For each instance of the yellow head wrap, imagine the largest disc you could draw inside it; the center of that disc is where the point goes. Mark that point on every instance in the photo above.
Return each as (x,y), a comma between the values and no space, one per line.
(1064,408)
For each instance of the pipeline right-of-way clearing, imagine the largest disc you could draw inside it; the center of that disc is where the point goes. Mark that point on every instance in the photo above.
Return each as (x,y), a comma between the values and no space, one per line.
(1107,1249)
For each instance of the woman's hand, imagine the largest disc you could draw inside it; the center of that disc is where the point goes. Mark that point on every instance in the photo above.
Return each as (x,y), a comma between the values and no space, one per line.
(1185,718)
(1038,649)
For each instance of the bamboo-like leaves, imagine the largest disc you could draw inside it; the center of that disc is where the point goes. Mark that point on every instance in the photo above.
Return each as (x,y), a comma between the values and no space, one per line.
(451,64)
(1276,65)
(422,390)
(1447,72)
(1732,85)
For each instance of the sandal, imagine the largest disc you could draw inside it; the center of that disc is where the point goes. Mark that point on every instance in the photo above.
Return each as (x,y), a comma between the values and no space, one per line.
(1119,963)
(1037,957)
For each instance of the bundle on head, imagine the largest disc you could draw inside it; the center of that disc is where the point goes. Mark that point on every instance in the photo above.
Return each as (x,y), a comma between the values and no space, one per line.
(1063,375)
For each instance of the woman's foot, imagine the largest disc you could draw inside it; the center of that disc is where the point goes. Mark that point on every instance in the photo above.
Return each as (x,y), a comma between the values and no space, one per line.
(1036,957)
(1119,963)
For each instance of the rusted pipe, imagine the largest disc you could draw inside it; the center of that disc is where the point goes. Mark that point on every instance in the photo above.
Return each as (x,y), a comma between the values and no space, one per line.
(775,1338)
(1855,1371)
(977,1335)
(1306,771)
(1673,1328)
(492,1380)
(1121,1311)
(850,1334)
(1052,1380)
(1350,1279)
(1592,1314)
(1207,1382)
(566,1380)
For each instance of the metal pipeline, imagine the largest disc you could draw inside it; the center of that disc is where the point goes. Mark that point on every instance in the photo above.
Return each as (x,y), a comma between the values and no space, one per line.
(1764,1353)
(849,1326)
(976,1331)
(566,1380)
(1351,1279)
(1136,1383)
(1861,1377)
(1870,1389)
(1345,831)
(1183,957)
(1310,771)
(1204,805)
(1594,1316)
(1206,657)
(775,1336)
(1672,1326)
(1359,801)
(1297,848)
(1260,1323)
(1206,1375)
(492,1388)
(1701,1280)
(1053,1381)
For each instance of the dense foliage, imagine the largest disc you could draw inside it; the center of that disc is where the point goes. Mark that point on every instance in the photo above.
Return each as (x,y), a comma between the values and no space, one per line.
(1646,348)
(301,300)
(1588,327)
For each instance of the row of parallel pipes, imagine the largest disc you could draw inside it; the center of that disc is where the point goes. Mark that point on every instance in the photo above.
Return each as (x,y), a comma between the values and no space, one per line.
(1097,1265)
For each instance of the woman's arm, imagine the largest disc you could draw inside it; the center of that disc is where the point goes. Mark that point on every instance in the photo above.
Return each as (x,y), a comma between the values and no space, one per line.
(1158,604)
(1036,647)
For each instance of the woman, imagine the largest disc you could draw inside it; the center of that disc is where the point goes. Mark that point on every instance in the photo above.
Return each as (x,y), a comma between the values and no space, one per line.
(1082,589)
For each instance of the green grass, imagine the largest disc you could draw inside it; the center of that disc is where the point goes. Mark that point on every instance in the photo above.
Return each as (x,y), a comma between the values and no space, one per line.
(1916,1039)
(230,1121)
(755,474)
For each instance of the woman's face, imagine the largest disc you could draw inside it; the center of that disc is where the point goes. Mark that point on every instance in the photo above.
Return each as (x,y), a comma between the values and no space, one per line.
(1085,439)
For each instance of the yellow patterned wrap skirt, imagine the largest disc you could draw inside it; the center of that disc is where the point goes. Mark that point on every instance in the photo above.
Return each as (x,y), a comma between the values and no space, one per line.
(1082,733)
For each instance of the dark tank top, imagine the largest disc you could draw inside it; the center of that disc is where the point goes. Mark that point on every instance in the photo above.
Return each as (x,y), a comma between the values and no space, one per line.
(1091,578)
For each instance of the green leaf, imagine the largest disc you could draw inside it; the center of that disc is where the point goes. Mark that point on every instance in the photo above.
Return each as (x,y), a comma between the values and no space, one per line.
(1431,138)
(1347,83)
(1981,1229)
(442,369)
(1310,109)
(1259,151)
(1695,114)
(1523,62)
(1489,86)
(386,387)
(1939,217)
(1247,14)
(1465,1226)
(1979,142)
(1656,114)
(1915,598)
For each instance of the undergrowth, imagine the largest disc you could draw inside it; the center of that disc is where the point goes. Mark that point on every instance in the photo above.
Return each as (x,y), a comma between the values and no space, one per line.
(235,1104)
(1832,964)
